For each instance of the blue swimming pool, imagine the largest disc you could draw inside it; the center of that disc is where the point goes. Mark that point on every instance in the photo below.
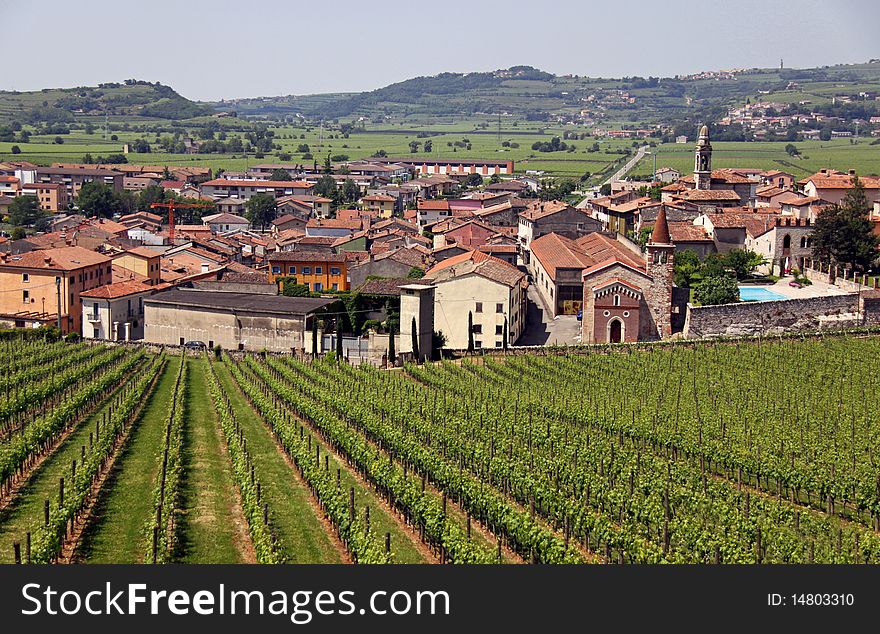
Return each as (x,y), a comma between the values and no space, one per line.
(758,294)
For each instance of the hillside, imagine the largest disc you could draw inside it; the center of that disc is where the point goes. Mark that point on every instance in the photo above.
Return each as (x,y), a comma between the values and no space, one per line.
(138,99)
(528,93)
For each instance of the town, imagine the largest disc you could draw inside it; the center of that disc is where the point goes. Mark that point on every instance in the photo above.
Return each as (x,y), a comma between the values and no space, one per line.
(456,256)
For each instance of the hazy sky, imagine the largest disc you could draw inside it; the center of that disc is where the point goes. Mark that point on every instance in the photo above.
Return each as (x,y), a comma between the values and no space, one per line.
(215,49)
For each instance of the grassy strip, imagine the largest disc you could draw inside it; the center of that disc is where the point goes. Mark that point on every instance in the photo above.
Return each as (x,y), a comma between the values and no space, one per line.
(256,511)
(355,533)
(49,540)
(302,536)
(161,528)
(117,534)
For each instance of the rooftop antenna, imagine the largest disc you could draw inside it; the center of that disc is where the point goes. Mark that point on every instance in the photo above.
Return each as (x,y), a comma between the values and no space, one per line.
(780,64)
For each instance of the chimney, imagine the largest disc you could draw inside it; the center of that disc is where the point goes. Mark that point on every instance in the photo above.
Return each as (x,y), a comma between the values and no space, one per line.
(852,172)
(47,260)
(205,267)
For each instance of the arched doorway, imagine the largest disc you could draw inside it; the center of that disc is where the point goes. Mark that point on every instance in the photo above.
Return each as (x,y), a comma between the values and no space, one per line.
(615,331)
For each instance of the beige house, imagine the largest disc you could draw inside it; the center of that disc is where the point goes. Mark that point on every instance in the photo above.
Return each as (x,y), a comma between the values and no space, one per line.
(491,290)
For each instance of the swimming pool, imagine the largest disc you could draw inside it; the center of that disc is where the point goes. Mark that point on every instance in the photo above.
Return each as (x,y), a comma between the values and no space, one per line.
(758,294)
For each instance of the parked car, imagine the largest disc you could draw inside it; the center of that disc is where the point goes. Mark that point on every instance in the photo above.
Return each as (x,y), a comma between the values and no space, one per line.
(195,345)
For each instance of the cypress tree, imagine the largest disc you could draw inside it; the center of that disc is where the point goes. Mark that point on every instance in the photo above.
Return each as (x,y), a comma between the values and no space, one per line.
(415,340)
(392,354)
(314,336)
(504,340)
(470,331)
(339,340)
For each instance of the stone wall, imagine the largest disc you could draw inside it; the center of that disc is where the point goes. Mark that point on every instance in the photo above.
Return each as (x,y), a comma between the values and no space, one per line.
(773,317)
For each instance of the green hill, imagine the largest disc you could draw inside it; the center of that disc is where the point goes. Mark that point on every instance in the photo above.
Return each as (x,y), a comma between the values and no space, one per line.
(131,99)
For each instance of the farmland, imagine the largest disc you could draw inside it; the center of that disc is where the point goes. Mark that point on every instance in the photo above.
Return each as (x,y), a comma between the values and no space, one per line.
(695,453)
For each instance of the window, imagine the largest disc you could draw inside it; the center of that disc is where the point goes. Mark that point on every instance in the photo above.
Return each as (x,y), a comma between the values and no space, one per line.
(499,308)
(336,287)
(318,287)
(96,332)
(499,330)
(617,300)
(335,270)
(478,344)
(210,343)
(307,270)
(498,344)
(479,307)
(478,329)
(318,270)
(182,341)
(276,270)
(25,296)
(25,277)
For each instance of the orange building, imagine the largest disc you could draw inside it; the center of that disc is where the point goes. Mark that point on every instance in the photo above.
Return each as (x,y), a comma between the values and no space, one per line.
(319,271)
(141,260)
(39,286)
(51,196)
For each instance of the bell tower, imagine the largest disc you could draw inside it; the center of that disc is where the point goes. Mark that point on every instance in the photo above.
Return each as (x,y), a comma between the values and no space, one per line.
(703,161)
(660,267)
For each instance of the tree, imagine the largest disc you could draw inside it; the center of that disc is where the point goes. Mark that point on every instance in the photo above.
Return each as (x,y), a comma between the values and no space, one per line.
(18,233)
(260,209)
(314,336)
(279,175)
(716,289)
(338,339)
(98,199)
(303,148)
(687,268)
(428,145)
(792,150)
(392,354)
(470,331)
(415,340)
(473,180)
(743,262)
(149,195)
(15,149)
(415,273)
(414,146)
(844,234)
(326,187)
(290,288)
(605,189)
(328,165)
(504,336)
(350,191)
(24,211)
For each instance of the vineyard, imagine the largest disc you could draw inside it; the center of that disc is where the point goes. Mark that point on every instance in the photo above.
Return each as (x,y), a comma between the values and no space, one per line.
(749,452)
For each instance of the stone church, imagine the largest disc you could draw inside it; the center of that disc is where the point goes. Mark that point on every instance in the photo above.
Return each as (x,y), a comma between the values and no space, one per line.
(625,301)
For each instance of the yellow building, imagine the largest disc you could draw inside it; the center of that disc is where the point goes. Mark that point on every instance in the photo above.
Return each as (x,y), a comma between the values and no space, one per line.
(39,286)
(143,261)
(380,203)
(319,271)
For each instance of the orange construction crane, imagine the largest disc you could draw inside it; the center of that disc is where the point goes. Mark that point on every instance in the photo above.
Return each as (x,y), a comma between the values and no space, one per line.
(171,206)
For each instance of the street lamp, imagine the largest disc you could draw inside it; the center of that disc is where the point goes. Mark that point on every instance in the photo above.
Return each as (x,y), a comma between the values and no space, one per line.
(654,172)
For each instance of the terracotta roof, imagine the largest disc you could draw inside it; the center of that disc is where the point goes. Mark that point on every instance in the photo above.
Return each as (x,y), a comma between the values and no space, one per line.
(59,258)
(334,223)
(436,205)
(280,220)
(379,198)
(660,234)
(541,210)
(709,194)
(723,176)
(754,224)
(555,252)
(404,255)
(224,218)
(222,182)
(306,256)
(144,252)
(687,232)
(601,247)
(476,262)
(842,181)
(118,289)
(617,280)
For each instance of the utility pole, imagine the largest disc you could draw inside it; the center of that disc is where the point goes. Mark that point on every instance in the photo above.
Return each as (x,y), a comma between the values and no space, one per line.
(58,295)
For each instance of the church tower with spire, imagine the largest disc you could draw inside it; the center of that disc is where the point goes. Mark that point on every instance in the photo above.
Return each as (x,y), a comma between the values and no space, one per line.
(660,267)
(703,161)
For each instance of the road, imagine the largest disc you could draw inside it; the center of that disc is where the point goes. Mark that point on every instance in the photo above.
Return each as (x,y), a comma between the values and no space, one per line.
(619,174)
(541,330)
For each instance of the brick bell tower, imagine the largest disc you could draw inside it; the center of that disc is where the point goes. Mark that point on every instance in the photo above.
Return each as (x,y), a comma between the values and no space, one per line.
(660,267)
(703,161)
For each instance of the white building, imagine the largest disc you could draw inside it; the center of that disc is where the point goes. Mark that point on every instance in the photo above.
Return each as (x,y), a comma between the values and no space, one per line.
(223,222)
(115,312)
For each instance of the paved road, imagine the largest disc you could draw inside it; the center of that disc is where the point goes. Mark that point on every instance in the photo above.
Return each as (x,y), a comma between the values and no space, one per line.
(543,331)
(619,174)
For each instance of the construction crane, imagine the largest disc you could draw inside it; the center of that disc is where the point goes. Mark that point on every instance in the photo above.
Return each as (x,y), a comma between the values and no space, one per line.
(171,206)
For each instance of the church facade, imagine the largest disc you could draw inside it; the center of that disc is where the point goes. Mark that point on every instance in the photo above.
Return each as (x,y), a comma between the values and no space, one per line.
(627,302)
